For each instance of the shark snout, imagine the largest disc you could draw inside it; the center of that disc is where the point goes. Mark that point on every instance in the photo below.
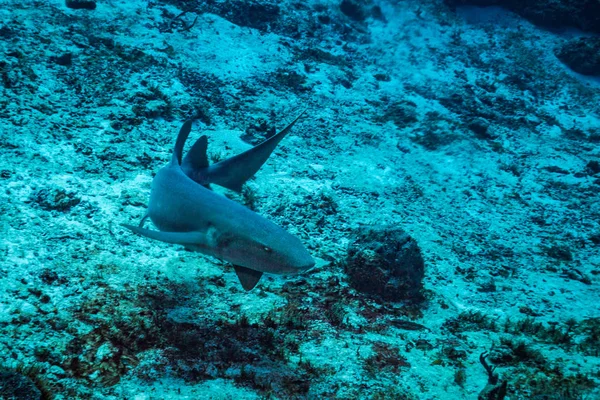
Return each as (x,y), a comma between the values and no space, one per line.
(303,261)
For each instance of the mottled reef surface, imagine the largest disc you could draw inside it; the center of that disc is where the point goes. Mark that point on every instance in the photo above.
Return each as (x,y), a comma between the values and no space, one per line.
(446,177)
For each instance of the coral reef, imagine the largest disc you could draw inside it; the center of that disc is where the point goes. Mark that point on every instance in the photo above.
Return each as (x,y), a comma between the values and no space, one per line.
(445,177)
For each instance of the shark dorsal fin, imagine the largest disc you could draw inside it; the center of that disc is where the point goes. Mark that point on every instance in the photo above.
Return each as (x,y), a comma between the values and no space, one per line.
(248,277)
(184,132)
(233,172)
(196,157)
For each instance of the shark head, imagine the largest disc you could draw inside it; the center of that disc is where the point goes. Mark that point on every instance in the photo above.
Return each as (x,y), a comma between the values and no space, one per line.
(267,248)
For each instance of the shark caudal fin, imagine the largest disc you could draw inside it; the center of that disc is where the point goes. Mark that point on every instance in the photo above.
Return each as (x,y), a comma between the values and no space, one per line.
(184,132)
(233,172)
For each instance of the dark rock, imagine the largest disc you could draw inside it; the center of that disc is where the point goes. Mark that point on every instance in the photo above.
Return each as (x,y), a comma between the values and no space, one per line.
(7,33)
(480,127)
(556,170)
(258,132)
(65,60)
(377,13)
(324,19)
(56,199)
(581,55)
(593,167)
(353,10)
(382,77)
(346,83)
(402,114)
(385,262)
(321,56)
(81,4)
(582,14)
(13,385)
(252,14)
(290,79)
(560,252)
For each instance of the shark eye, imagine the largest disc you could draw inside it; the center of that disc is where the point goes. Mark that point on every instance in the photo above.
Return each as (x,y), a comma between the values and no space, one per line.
(267,249)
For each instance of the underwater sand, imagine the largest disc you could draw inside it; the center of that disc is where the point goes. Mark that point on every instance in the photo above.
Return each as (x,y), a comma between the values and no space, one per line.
(462,128)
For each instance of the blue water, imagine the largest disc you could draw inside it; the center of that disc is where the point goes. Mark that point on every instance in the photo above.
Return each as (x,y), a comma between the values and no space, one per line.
(444,179)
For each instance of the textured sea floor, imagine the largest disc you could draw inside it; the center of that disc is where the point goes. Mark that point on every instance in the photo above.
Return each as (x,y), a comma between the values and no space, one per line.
(461,128)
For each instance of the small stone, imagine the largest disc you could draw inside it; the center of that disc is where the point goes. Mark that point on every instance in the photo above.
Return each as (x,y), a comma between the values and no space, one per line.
(48,276)
(81,4)
(57,371)
(56,199)
(16,386)
(65,60)
(353,10)
(592,167)
(480,127)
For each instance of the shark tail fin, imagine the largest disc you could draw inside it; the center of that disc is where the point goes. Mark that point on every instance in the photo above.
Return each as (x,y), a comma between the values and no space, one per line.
(141,225)
(233,172)
(184,132)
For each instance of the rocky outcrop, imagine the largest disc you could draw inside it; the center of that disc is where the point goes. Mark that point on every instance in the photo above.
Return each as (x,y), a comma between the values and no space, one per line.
(554,14)
(581,55)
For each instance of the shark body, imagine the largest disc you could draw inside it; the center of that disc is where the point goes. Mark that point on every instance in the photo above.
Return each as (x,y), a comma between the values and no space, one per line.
(186,212)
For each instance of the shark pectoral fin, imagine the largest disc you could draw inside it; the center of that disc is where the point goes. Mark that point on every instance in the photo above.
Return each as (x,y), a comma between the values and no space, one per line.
(248,277)
(141,225)
(196,239)
(196,157)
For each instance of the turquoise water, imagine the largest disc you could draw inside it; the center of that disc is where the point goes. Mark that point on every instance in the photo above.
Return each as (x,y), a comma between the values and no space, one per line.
(444,180)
